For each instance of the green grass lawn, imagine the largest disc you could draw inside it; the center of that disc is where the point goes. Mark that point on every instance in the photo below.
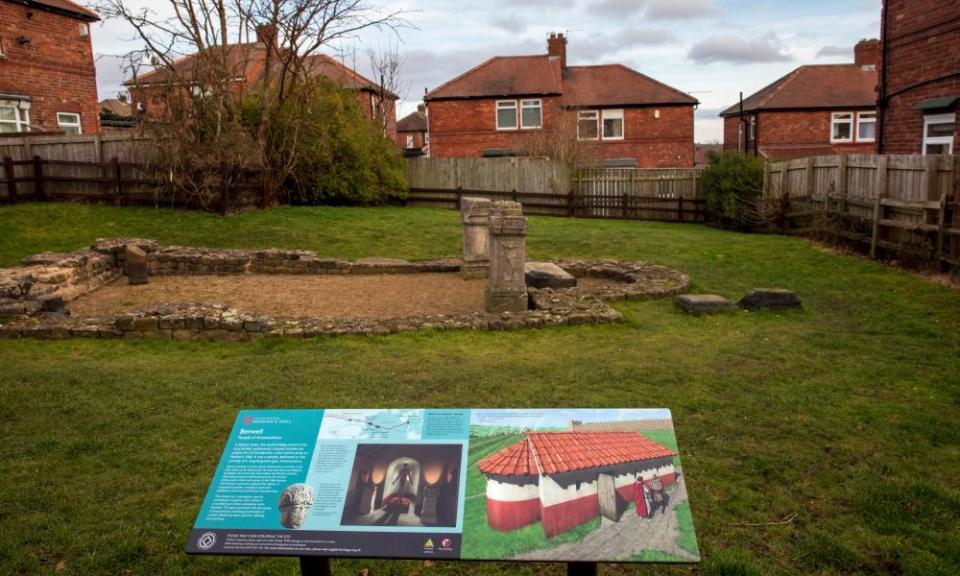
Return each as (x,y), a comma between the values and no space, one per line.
(844,414)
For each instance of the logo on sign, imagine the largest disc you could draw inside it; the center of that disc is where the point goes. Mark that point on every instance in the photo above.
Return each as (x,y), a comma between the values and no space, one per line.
(248,420)
(206,540)
(428,545)
(446,543)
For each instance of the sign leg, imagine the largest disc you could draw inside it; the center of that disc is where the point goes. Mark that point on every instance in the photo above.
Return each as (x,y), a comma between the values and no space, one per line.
(315,566)
(581,569)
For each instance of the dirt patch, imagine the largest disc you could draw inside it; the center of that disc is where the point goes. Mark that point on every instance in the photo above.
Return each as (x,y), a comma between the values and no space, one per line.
(314,296)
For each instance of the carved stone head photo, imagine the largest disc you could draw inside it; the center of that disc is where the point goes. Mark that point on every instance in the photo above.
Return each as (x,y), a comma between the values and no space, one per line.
(295,503)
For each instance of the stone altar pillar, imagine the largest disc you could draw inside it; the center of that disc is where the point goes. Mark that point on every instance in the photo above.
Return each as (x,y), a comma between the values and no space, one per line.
(475,214)
(135,265)
(506,285)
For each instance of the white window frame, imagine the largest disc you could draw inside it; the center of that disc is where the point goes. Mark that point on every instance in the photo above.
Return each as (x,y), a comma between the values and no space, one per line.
(84,29)
(587,115)
(2,54)
(62,124)
(938,119)
(409,141)
(860,121)
(21,119)
(613,114)
(507,105)
(530,104)
(835,120)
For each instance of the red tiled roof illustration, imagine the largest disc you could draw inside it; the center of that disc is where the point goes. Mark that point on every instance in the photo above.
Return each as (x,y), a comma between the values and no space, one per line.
(556,452)
(815,86)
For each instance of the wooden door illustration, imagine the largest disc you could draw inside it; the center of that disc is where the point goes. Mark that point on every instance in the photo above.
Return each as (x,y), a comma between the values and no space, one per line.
(607,494)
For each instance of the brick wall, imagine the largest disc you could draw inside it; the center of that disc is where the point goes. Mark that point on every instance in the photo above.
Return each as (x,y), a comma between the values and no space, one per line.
(418,139)
(922,40)
(55,69)
(797,128)
(465,128)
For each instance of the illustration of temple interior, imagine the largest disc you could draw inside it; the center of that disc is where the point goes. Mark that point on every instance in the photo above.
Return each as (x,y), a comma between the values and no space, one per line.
(404,485)
(565,479)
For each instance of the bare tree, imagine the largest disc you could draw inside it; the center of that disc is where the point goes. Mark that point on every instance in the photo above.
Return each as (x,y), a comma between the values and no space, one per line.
(207,98)
(561,141)
(386,64)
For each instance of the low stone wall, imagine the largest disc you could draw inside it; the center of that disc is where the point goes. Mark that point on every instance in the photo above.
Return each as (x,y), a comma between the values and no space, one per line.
(23,290)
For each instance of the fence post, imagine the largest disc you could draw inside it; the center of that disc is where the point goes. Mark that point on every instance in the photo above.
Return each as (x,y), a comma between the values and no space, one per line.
(842,184)
(41,190)
(941,224)
(811,185)
(570,200)
(459,198)
(882,167)
(117,182)
(513,195)
(625,205)
(225,200)
(10,173)
(931,174)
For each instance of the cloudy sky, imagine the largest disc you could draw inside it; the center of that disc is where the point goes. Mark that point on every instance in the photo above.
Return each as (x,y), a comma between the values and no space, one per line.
(712,49)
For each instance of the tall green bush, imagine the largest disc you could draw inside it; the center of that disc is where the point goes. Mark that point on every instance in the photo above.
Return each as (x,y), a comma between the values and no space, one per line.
(732,184)
(334,153)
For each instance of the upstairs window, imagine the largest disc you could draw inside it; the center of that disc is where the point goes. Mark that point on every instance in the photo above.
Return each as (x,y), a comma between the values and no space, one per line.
(84,29)
(866,126)
(409,141)
(506,114)
(2,54)
(588,125)
(69,122)
(938,131)
(613,124)
(531,115)
(13,119)
(841,127)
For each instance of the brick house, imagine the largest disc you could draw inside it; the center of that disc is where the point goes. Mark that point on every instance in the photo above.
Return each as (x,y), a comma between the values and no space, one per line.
(48,82)
(412,132)
(246,64)
(620,116)
(919,77)
(814,110)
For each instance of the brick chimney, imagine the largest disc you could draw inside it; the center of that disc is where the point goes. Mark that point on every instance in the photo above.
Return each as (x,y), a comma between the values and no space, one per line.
(867,53)
(267,34)
(557,47)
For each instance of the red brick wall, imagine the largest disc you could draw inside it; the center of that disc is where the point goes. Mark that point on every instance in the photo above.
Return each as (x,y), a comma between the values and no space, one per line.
(922,40)
(465,128)
(793,130)
(418,139)
(55,69)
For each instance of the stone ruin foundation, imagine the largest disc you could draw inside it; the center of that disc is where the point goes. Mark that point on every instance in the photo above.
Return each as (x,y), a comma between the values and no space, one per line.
(33,295)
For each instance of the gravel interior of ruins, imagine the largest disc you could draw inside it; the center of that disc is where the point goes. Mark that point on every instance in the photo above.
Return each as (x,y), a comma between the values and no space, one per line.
(315,296)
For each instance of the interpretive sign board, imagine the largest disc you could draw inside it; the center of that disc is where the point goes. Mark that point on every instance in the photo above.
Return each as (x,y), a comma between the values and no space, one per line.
(572,485)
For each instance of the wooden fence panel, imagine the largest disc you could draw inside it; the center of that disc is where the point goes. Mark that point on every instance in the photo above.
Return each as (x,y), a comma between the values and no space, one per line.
(905,201)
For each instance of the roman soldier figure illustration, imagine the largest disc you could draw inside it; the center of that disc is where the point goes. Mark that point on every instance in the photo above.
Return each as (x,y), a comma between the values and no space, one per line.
(641,496)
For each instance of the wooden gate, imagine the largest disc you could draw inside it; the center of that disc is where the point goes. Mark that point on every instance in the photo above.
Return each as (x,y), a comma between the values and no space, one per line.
(607,494)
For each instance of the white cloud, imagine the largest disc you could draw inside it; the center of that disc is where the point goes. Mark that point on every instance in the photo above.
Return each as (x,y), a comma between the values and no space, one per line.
(831,51)
(681,9)
(736,50)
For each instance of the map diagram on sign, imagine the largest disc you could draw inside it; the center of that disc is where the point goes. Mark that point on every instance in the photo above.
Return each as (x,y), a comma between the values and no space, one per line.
(372,425)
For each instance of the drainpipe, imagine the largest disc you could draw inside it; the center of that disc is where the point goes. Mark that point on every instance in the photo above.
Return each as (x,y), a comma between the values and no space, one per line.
(882,89)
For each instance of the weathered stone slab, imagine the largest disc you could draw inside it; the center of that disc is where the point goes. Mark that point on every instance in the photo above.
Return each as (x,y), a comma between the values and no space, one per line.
(135,265)
(475,215)
(770,299)
(698,304)
(547,275)
(506,286)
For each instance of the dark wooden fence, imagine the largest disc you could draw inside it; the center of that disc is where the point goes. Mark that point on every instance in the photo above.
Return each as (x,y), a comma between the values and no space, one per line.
(571,204)
(123,184)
